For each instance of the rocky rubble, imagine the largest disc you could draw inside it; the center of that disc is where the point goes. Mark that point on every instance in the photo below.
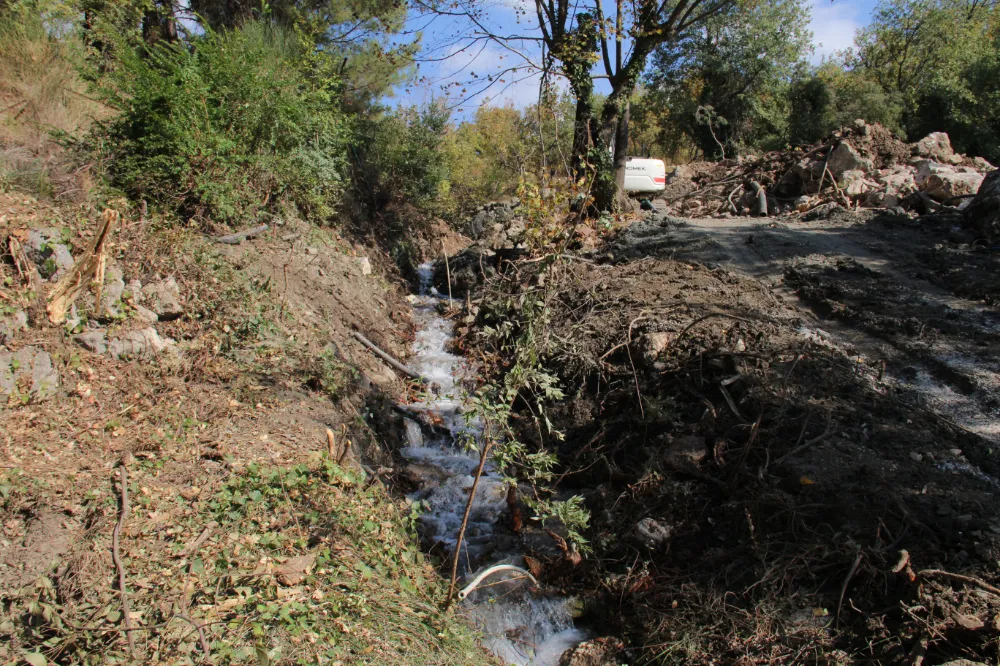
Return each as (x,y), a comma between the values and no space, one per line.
(859,166)
(129,308)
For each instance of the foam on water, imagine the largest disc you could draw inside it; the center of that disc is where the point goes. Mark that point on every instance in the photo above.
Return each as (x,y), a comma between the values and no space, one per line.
(518,626)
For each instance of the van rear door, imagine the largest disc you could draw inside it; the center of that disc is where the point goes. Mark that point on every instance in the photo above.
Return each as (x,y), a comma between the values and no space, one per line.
(645,175)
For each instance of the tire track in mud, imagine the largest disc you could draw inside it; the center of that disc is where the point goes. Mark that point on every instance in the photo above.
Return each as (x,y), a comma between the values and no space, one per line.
(860,287)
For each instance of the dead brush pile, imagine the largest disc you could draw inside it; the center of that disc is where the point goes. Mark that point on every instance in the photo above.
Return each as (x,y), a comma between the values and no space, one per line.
(858,166)
(756,495)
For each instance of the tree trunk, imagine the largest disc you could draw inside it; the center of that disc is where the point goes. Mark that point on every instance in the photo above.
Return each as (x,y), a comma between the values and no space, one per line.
(159,23)
(581,136)
(621,147)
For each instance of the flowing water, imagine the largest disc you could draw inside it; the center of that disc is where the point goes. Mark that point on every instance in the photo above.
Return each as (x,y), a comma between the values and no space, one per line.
(520,624)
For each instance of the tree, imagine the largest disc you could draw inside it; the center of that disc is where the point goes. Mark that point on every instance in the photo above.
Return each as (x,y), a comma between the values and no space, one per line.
(911,45)
(829,96)
(726,85)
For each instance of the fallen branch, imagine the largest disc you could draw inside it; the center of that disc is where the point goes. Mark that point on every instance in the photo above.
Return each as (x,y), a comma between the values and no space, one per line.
(843,588)
(412,374)
(239,237)
(465,591)
(965,579)
(202,638)
(25,269)
(193,547)
(117,558)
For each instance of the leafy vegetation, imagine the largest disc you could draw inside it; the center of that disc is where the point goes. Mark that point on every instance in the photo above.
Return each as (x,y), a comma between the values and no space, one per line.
(307,565)
(238,125)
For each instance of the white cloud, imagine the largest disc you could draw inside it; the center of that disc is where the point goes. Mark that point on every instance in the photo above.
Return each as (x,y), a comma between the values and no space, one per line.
(833,26)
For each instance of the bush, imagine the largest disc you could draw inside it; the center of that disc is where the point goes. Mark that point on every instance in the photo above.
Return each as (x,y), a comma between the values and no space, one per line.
(232,126)
(832,97)
(397,157)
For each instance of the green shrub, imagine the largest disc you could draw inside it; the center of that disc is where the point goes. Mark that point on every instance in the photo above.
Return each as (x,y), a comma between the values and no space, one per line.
(231,126)
(832,97)
(397,157)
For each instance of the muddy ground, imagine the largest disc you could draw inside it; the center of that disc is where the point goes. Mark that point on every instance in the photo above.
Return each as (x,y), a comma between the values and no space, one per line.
(786,433)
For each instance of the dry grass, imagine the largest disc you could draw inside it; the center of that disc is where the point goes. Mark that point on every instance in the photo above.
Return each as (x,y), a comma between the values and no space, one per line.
(41,95)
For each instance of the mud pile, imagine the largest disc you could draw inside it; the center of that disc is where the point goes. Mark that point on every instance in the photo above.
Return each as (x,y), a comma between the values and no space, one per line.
(757,493)
(858,166)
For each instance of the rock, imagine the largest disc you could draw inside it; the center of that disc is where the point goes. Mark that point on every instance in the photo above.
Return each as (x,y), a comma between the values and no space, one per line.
(982,165)
(802,204)
(822,212)
(685,452)
(134,288)
(145,314)
(651,345)
(916,457)
(853,183)
(312,250)
(94,341)
(163,298)
(28,371)
(983,214)
(893,186)
(421,476)
(936,146)
(295,569)
(137,344)
(366,265)
(12,324)
(962,662)
(605,651)
(846,158)
(947,185)
(681,172)
(652,533)
(51,256)
(114,287)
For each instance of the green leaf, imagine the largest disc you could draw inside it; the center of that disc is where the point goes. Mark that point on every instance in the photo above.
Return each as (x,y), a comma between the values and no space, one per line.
(36,659)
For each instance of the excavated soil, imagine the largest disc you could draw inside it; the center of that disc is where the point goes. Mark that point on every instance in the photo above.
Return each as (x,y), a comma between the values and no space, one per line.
(785,434)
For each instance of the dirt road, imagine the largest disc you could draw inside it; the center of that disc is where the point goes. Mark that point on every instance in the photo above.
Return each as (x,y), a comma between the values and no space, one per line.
(914,294)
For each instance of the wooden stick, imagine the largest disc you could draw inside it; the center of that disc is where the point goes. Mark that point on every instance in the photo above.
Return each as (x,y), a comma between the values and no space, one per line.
(388,359)
(239,237)
(117,558)
(965,579)
(447,269)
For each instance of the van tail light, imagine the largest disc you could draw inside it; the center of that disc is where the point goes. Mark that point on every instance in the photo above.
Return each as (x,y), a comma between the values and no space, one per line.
(660,180)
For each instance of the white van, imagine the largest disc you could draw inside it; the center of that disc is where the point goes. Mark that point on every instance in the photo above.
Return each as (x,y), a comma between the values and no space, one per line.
(645,175)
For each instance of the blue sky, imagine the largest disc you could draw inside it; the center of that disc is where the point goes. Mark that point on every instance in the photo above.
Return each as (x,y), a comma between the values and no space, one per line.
(451,67)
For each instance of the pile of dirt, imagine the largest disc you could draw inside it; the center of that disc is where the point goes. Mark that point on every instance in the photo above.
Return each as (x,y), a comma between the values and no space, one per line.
(858,166)
(757,492)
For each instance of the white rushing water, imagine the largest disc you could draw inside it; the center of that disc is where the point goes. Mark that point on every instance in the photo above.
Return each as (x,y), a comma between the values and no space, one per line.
(520,625)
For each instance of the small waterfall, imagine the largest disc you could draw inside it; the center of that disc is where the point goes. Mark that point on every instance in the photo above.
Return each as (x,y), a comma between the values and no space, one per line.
(519,626)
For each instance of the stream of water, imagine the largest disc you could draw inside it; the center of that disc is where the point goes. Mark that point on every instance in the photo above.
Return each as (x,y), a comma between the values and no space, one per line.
(520,625)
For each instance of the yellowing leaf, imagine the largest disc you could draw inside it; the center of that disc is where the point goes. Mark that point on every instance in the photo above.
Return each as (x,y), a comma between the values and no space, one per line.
(806,481)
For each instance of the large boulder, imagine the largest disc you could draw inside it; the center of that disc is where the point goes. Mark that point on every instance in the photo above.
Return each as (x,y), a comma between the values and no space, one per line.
(942,182)
(846,157)
(936,146)
(983,213)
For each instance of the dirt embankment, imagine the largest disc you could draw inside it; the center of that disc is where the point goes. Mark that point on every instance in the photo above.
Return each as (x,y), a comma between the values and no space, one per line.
(226,382)
(756,417)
